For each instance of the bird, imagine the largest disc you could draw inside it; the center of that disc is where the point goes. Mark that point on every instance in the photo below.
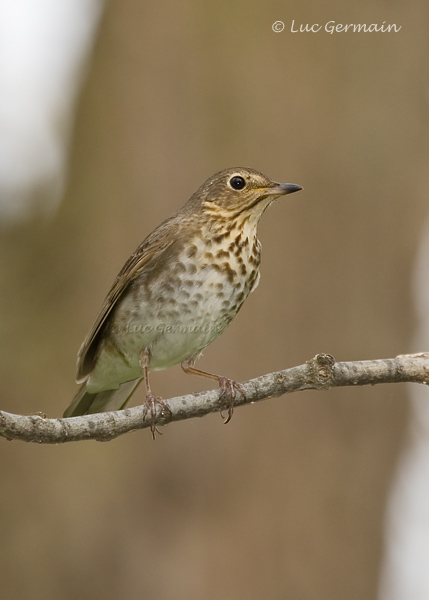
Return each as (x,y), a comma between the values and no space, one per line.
(177,293)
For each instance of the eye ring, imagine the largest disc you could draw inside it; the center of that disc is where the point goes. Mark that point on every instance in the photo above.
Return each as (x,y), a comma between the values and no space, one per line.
(237,182)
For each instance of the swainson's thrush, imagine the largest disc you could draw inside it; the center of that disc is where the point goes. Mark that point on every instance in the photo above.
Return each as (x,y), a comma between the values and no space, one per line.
(177,293)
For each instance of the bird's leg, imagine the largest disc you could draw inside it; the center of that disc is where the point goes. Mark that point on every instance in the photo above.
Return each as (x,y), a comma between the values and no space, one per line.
(152,401)
(229,387)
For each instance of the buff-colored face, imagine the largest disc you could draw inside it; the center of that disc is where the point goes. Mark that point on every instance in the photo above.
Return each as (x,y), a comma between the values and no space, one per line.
(241,190)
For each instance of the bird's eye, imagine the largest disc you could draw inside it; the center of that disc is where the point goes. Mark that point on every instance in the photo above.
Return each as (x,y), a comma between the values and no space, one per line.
(237,182)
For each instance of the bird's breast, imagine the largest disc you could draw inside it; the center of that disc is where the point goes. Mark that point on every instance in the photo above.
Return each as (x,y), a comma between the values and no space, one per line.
(179,311)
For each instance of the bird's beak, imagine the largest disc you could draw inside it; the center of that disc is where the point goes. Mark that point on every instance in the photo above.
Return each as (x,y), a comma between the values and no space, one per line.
(285,188)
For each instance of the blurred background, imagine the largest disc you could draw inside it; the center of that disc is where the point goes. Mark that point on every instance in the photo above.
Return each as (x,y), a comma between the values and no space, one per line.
(111,115)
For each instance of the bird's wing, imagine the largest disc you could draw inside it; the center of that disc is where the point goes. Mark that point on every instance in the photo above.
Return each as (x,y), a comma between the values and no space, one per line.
(151,248)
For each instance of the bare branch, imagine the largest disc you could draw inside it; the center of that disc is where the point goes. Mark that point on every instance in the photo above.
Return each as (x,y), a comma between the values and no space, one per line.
(319,373)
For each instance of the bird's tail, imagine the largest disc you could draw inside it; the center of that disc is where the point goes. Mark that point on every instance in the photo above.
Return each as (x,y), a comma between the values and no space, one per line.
(85,403)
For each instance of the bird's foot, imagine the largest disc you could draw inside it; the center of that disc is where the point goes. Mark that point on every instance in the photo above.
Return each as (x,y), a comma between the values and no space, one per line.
(229,389)
(150,411)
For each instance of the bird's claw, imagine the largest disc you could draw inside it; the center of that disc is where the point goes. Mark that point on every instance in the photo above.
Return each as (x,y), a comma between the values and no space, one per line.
(229,389)
(150,411)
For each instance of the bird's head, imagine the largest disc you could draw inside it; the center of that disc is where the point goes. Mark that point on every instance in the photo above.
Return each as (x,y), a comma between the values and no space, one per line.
(239,192)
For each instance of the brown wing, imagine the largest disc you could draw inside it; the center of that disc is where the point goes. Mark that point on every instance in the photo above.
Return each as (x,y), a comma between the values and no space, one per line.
(149,249)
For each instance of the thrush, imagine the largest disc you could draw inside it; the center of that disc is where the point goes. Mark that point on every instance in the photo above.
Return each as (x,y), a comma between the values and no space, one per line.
(177,293)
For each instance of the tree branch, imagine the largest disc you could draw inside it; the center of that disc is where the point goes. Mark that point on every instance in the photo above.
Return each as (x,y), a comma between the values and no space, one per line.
(319,373)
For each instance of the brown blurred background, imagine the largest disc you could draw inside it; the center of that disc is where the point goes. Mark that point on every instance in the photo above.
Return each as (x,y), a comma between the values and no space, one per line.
(288,500)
